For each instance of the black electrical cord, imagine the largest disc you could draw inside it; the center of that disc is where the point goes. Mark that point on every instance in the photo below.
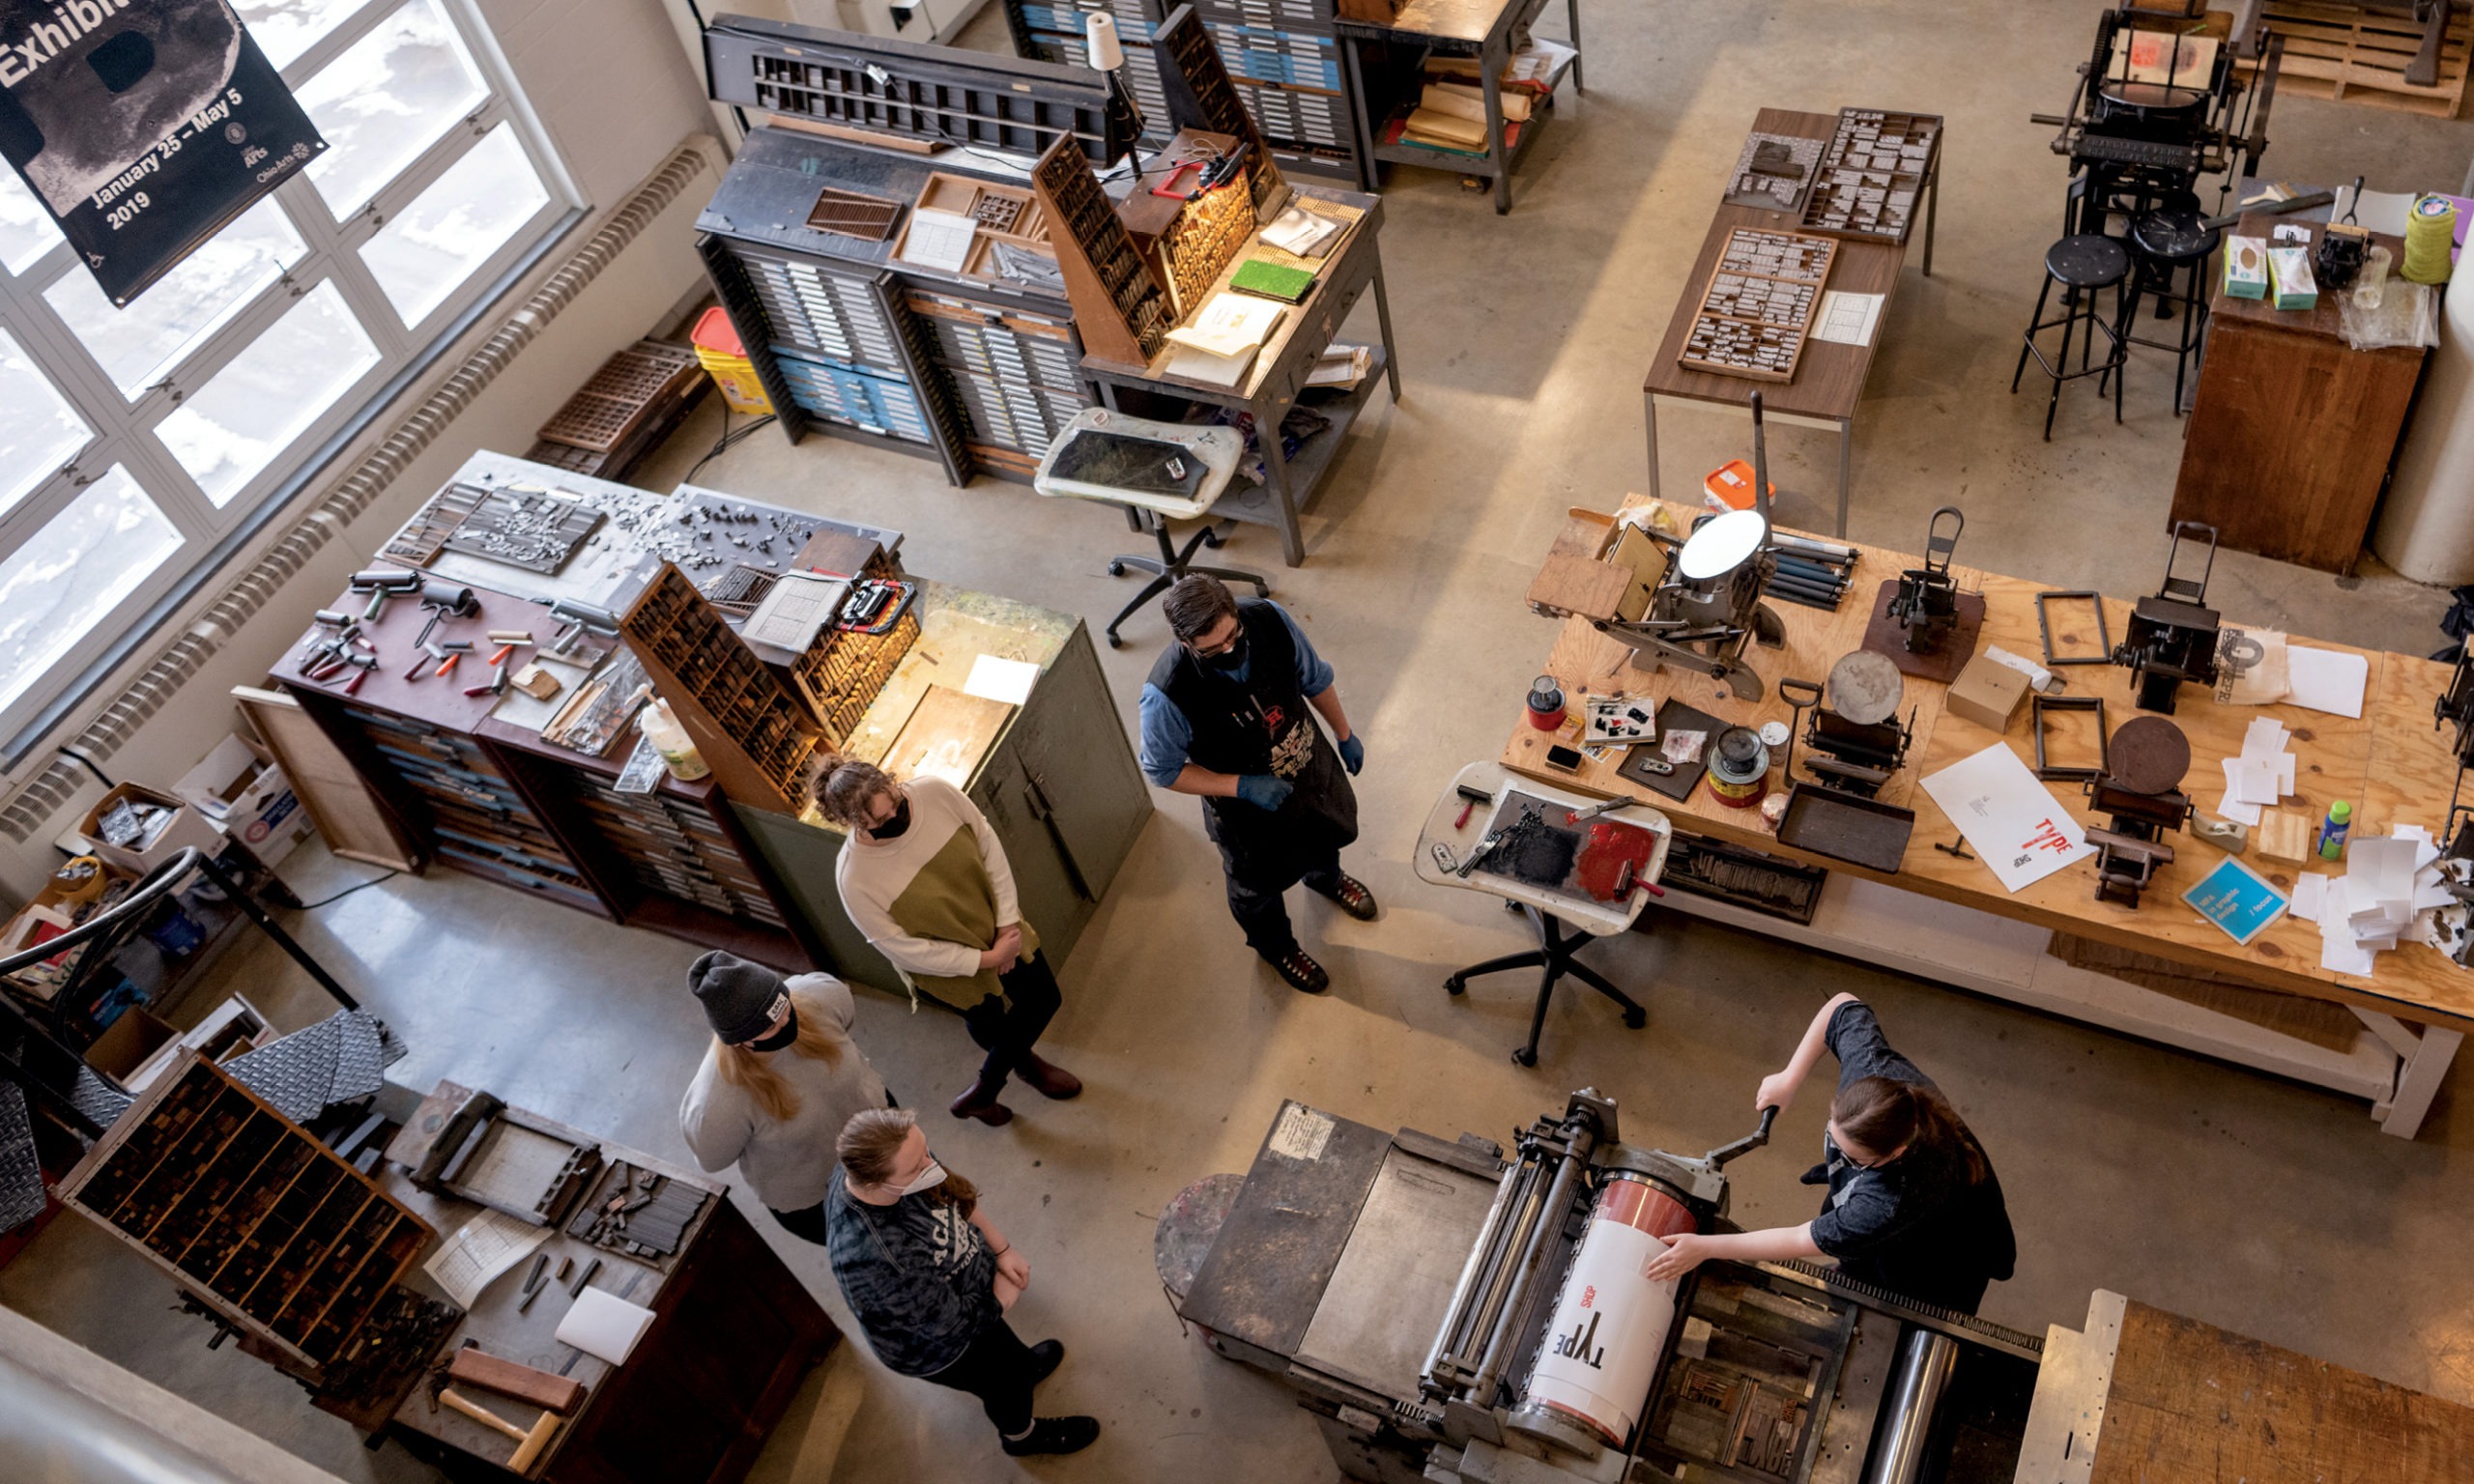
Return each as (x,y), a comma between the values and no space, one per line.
(726,442)
(312,907)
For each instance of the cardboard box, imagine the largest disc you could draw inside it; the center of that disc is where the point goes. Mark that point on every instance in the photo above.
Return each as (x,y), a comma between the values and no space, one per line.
(248,796)
(2289,274)
(188,827)
(1987,693)
(129,1042)
(2246,267)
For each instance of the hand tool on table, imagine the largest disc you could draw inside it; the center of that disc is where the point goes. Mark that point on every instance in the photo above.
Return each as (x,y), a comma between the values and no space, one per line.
(444,603)
(1485,847)
(1801,696)
(1470,799)
(473,1366)
(576,619)
(381,583)
(1602,807)
(527,1443)
(1957,847)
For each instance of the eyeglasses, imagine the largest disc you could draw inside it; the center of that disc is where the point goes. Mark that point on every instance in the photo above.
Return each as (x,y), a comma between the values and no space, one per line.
(1214,651)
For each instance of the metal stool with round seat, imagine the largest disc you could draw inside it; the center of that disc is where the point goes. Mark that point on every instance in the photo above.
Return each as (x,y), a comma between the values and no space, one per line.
(2085,265)
(2164,244)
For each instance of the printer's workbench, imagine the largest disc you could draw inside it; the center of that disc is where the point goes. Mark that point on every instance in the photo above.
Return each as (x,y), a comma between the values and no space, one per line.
(2387,1039)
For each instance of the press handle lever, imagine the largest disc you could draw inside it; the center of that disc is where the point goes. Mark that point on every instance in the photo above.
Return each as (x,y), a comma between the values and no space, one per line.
(1748,1143)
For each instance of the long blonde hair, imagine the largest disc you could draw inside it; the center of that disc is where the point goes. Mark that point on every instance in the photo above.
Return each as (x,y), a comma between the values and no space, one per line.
(753,1072)
(869,1142)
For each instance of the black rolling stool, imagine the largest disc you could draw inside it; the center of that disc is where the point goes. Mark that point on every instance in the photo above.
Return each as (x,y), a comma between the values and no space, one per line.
(2164,244)
(2085,265)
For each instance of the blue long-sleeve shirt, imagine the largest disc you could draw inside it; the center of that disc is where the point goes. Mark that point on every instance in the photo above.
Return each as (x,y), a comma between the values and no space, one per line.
(1167,735)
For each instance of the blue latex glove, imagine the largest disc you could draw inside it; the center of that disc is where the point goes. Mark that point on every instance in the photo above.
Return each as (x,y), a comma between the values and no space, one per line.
(1264,791)
(1352,754)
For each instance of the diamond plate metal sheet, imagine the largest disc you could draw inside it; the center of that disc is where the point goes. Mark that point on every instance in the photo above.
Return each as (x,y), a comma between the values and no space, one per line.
(20,1177)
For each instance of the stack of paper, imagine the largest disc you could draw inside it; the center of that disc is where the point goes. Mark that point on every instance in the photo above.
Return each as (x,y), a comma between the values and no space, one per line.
(1302,232)
(1221,343)
(2387,884)
(2260,777)
(2260,682)
(1340,365)
(2019,829)
(2324,680)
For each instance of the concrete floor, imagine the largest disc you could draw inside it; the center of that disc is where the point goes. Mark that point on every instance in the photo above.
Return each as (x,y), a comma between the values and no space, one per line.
(2278,1211)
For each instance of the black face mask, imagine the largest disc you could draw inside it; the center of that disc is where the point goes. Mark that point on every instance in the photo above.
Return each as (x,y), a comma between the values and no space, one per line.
(893,828)
(1231,658)
(789,1033)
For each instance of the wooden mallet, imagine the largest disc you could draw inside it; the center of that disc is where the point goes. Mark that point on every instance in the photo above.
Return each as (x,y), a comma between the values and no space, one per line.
(528,1445)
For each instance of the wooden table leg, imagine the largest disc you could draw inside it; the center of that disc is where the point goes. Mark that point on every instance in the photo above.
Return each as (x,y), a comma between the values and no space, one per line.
(2423,1054)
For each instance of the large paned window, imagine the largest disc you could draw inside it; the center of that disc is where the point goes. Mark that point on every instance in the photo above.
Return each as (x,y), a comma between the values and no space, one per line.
(135,441)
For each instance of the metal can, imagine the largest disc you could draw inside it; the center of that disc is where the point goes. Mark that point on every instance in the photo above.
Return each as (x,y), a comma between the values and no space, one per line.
(1739,768)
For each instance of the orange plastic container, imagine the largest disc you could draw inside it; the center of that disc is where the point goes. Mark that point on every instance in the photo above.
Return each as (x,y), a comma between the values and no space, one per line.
(725,359)
(1729,487)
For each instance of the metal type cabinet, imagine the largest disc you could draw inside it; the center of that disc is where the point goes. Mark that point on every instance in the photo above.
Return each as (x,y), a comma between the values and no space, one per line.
(1061,788)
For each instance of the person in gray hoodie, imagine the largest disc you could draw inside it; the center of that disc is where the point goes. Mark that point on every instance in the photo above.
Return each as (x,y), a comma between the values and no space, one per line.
(780,1080)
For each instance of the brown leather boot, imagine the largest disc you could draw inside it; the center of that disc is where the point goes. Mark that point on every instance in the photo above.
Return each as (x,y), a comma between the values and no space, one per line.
(1046,1079)
(979,1100)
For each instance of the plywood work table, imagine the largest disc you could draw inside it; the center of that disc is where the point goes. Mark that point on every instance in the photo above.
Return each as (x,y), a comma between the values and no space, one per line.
(2143,1394)
(1949,918)
(1830,378)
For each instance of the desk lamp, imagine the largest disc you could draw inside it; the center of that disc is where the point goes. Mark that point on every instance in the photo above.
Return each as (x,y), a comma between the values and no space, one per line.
(1107,54)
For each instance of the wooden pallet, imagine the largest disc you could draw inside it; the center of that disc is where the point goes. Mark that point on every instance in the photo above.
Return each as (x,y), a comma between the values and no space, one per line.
(2355,56)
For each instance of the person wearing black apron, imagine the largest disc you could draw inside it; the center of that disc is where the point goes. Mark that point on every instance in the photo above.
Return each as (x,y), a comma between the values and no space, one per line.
(1913,1206)
(1228,716)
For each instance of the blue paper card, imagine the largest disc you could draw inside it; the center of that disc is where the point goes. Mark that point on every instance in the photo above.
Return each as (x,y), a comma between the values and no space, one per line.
(2236,898)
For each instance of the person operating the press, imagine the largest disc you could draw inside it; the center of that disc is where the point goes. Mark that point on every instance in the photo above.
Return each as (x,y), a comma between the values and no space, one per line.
(1228,716)
(1913,1206)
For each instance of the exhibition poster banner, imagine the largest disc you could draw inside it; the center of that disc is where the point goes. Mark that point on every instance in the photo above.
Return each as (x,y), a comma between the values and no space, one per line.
(144,126)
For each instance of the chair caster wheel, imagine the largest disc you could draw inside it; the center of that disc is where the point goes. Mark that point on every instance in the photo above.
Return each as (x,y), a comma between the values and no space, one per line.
(1455,984)
(1214,539)
(1262,590)
(1634,1019)
(1115,643)
(1525,1057)
(1116,569)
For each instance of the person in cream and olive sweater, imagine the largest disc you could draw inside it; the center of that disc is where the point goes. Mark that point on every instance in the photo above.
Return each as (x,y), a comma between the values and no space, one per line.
(924,879)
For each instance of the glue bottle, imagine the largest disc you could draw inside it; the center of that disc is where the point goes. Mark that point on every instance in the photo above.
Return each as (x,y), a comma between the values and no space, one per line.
(670,739)
(2332,830)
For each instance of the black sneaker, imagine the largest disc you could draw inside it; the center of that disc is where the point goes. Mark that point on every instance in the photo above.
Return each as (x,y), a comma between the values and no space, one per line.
(1045,1357)
(1056,1435)
(1354,898)
(1301,972)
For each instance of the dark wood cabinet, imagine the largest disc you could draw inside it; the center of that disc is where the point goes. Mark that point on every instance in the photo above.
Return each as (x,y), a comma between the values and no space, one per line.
(2289,444)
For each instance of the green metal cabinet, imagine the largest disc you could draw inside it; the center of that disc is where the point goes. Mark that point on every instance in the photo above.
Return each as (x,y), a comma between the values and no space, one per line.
(1061,788)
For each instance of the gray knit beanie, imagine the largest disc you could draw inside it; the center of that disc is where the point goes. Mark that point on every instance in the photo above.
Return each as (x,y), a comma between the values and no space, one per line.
(740,998)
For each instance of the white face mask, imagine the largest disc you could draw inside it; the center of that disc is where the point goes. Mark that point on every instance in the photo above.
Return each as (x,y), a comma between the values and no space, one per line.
(928,1179)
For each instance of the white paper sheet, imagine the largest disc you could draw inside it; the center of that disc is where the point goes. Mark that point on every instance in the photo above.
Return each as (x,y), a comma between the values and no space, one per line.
(482,1248)
(994,678)
(2015,823)
(601,1324)
(2310,891)
(1848,318)
(2253,780)
(939,239)
(2324,680)
(2230,807)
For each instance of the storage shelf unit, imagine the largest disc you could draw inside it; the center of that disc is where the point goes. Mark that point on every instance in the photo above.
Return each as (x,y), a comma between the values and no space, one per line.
(250,1212)
(852,341)
(494,800)
(1284,58)
(1051,31)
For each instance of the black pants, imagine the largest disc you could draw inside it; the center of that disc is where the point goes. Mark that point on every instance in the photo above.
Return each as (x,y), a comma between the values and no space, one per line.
(1007,1026)
(997,1370)
(807,1224)
(1255,900)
